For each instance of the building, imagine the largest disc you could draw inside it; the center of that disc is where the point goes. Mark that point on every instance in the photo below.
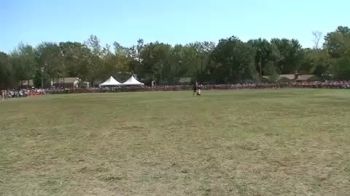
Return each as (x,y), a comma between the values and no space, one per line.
(69,82)
(293,77)
(26,84)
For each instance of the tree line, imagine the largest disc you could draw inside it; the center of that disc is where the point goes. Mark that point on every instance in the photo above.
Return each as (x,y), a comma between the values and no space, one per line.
(231,60)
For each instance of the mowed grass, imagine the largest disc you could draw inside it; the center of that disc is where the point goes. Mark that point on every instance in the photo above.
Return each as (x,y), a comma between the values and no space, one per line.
(246,142)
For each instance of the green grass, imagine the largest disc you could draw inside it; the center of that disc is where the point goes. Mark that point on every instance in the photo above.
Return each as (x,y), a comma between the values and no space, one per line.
(247,142)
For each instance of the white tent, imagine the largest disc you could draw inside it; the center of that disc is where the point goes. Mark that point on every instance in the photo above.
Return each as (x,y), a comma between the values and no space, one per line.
(132,82)
(110,82)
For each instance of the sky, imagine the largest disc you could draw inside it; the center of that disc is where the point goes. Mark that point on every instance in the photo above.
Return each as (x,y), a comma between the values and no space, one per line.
(170,21)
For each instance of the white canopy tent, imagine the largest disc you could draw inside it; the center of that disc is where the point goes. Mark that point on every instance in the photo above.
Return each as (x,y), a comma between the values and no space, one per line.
(110,82)
(132,82)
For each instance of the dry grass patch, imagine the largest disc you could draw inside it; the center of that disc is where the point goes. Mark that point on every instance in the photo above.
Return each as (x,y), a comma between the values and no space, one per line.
(249,142)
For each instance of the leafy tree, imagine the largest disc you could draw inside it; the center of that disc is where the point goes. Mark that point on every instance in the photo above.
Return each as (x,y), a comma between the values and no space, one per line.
(271,72)
(338,43)
(155,62)
(263,55)
(317,39)
(94,60)
(6,76)
(189,63)
(341,68)
(203,50)
(233,61)
(74,57)
(317,62)
(50,59)
(289,55)
(24,62)
(309,60)
(94,44)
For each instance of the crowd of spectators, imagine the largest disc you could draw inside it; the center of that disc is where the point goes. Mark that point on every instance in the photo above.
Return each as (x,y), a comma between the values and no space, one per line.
(314,84)
(13,93)
(325,84)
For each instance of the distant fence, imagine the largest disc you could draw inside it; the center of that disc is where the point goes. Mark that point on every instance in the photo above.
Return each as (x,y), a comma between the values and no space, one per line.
(329,84)
(35,92)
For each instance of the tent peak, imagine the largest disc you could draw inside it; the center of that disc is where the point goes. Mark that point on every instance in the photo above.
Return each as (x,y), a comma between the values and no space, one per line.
(110,82)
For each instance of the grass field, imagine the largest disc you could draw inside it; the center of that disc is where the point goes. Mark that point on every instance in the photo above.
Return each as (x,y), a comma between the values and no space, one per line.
(247,142)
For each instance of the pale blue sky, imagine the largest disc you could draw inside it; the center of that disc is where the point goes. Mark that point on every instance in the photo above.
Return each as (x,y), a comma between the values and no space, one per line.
(170,21)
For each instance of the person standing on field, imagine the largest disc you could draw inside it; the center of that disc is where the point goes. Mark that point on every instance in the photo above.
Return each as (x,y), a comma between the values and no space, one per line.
(199,86)
(2,95)
(195,88)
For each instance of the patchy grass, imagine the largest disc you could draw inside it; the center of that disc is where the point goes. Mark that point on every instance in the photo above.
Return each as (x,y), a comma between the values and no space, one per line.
(248,142)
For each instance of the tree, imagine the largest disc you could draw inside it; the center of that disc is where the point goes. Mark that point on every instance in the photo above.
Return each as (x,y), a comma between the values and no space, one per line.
(176,67)
(288,55)
(341,68)
(6,73)
(24,62)
(94,62)
(203,52)
(271,72)
(120,50)
(75,56)
(115,64)
(317,38)
(338,43)
(155,62)
(317,62)
(263,56)
(139,47)
(50,59)
(94,44)
(233,61)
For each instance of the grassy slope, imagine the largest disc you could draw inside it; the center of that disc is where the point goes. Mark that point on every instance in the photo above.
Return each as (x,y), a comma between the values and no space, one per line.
(248,142)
